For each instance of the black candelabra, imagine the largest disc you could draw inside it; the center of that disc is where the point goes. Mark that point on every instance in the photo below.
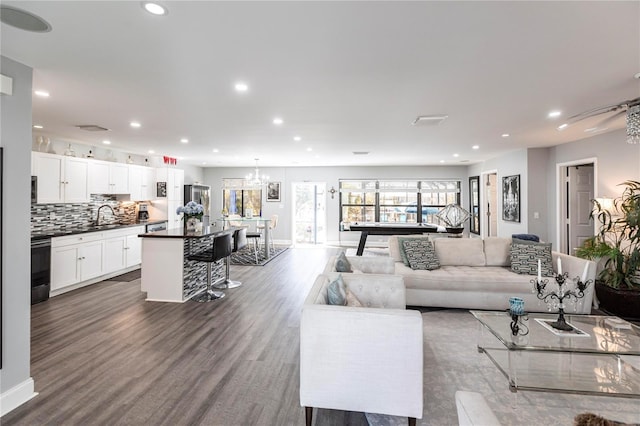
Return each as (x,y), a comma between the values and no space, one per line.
(558,297)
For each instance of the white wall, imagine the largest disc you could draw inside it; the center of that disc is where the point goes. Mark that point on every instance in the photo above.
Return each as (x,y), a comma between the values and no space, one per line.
(15,135)
(331,176)
(617,161)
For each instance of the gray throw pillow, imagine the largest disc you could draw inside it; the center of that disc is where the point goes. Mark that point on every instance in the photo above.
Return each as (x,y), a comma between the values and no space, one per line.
(421,254)
(525,255)
(336,293)
(342,264)
(403,254)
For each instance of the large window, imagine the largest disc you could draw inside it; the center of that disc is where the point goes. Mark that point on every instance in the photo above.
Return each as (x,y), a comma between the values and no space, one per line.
(396,200)
(237,199)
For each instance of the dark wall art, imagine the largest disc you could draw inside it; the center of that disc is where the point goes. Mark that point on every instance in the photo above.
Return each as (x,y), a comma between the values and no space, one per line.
(511,198)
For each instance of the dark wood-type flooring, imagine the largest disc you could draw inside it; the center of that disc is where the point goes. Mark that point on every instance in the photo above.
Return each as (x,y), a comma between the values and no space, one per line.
(102,355)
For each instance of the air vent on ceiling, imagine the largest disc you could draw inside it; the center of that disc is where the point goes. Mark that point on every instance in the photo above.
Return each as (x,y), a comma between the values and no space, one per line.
(92,128)
(429,120)
(360,152)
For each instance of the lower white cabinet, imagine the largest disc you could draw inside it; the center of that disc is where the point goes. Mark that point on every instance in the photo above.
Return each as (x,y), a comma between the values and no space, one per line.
(75,263)
(83,257)
(122,251)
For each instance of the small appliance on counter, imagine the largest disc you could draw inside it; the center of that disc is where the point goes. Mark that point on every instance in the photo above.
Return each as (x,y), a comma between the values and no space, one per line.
(143,212)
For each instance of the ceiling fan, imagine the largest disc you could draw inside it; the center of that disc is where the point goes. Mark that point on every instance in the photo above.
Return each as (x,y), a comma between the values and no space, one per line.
(630,108)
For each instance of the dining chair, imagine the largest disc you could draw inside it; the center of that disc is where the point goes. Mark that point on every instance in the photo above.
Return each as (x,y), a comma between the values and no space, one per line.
(273,223)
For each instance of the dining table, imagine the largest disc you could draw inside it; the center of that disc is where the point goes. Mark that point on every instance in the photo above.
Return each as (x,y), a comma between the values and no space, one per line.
(241,221)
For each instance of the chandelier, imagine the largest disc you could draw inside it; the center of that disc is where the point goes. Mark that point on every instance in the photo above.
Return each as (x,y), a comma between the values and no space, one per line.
(255,179)
(633,124)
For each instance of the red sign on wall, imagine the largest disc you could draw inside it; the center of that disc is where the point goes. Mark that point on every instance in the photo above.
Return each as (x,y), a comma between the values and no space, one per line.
(170,160)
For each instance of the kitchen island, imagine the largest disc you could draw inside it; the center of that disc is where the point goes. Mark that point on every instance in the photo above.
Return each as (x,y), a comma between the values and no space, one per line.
(167,274)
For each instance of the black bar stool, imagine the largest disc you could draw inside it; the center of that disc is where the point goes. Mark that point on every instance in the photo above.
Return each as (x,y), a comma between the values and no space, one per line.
(220,248)
(239,242)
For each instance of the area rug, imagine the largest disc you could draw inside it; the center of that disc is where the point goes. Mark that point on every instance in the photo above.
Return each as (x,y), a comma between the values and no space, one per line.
(128,277)
(246,256)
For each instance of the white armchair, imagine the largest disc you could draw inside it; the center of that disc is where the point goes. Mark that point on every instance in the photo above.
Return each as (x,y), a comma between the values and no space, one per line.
(366,359)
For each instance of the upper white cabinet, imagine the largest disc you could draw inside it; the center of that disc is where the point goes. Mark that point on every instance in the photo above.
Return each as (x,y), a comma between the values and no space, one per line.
(175,193)
(108,178)
(61,179)
(141,183)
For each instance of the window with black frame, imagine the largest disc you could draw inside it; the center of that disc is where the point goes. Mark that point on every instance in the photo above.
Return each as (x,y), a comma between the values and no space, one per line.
(395,201)
(237,199)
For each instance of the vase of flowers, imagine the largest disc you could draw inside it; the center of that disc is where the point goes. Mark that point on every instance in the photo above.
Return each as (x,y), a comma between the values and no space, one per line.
(192,215)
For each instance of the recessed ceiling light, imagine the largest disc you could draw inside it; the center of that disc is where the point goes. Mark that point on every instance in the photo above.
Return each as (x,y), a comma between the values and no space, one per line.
(309,149)
(278,121)
(297,138)
(37,126)
(554,114)
(241,87)
(106,142)
(442,161)
(154,8)
(134,124)
(456,155)
(204,162)
(151,151)
(475,147)
(184,140)
(563,126)
(637,75)
(505,135)
(216,150)
(42,93)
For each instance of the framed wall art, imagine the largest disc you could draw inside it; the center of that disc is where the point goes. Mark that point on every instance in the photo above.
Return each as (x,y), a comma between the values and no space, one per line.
(511,198)
(273,191)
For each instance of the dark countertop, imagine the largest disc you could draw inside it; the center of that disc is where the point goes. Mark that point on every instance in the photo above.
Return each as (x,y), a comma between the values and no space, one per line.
(212,230)
(40,235)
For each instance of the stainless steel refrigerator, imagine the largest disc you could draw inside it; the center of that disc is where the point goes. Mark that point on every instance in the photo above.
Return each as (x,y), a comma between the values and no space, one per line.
(201,194)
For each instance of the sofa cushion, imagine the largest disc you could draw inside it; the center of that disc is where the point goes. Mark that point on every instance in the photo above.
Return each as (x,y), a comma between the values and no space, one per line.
(402,247)
(342,264)
(497,251)
(336,294)
(352,300)
(525,255)
(460,251)
(421,254)
(394,245)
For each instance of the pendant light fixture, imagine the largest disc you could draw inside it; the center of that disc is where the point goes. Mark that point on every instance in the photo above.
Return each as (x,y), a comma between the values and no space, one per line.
(255,179)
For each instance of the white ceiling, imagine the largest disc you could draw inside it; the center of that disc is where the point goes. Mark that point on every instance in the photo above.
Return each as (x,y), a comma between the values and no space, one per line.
(345,76)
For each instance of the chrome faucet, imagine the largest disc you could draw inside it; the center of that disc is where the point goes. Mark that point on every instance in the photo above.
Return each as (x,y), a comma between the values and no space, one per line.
(98,214)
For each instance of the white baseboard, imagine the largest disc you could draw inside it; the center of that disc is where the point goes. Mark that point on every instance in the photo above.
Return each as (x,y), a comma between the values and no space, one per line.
(16,396)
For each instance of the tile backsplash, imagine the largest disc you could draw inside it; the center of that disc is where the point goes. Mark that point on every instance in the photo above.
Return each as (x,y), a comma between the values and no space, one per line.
(54,217)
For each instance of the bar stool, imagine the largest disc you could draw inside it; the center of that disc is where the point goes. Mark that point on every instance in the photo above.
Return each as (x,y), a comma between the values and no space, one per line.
(255,237)
(239,242)
(220,248)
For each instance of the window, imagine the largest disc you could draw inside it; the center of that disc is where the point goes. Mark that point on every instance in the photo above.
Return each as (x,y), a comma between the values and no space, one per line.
(396,201)
(237,198)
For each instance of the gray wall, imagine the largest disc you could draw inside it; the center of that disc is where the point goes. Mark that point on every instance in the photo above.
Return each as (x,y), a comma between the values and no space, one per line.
(538,200)
(329,175)
(617,161)
(15,137)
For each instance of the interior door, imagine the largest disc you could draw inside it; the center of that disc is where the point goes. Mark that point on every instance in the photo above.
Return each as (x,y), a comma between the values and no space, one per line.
(490,205)
(309,213)
(580,194)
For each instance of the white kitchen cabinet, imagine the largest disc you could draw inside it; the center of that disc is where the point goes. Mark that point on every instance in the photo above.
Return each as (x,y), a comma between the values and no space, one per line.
(122,249)
(141,183)
(175,194)
(61,179)
(74,263)
(108,178)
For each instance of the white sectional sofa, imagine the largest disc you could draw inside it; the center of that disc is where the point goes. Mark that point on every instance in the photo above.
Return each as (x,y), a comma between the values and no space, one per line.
(366,359)
(474,274)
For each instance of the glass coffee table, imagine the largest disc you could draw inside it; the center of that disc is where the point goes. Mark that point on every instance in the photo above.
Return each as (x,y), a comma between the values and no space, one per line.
(602,357)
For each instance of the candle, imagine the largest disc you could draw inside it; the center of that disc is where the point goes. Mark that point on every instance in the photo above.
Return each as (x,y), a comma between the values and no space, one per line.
(584,273)
(539,272)
(559,266)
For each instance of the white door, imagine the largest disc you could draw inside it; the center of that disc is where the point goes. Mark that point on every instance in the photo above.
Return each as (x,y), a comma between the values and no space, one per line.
(135,183)
(114,254)
(64,266)
(148,183)
(76,174)
(580,193)
(49,169)
(133,250)
(91,265)
(119,178)
(489,225)
(309,213)
(99,178)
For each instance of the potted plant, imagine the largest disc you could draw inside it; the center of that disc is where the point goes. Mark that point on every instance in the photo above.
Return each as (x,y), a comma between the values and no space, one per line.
(192,215)
(616,247)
